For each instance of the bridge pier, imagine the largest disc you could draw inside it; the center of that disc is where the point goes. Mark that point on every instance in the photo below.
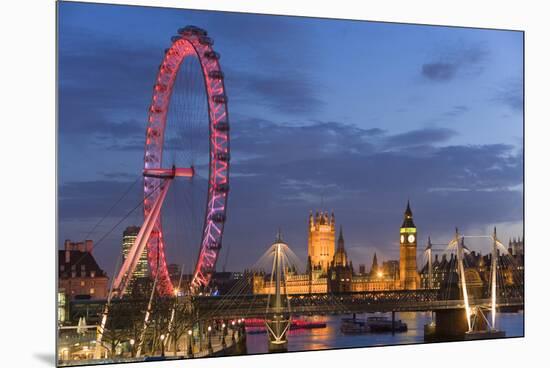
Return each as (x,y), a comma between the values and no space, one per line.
(450,324)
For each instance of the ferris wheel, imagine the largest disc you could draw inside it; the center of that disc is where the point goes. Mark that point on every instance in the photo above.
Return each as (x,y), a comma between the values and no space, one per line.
(180,143)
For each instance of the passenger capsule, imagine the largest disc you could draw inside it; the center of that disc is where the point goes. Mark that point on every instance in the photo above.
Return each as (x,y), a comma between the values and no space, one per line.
(206,41)
(219,98)
(222,188)
(212,55)
(192,30)
(218,217)
(216,74)
(222,126)
(222,156)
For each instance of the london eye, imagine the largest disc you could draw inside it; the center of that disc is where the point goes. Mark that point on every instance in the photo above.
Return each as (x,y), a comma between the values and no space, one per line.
(187,136)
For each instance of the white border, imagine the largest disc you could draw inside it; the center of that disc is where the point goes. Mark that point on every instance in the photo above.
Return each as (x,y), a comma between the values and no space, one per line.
(28,180)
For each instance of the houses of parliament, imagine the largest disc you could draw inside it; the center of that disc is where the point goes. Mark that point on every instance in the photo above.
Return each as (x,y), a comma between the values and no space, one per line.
(330,270)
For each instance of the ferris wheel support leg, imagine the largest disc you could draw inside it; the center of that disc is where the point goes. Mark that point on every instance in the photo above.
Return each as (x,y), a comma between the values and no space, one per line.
(99,333)
(125,274)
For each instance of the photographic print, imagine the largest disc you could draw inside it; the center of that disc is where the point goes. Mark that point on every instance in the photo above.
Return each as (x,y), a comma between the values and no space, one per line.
(236,183)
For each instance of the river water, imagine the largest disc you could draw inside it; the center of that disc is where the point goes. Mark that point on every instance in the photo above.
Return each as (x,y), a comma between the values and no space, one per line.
(331,337)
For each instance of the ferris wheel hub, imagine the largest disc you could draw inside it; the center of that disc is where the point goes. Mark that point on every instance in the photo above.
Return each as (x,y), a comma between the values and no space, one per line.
(162,173)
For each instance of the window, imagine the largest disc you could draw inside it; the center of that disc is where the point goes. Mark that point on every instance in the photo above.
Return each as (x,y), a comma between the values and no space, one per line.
(92,291)
(92,273)
(82,283)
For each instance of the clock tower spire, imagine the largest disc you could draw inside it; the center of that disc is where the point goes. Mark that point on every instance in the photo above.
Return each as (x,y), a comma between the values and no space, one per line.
(408,272)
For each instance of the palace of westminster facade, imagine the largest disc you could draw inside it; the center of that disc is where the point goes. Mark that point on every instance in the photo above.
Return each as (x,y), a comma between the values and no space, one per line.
(330,270)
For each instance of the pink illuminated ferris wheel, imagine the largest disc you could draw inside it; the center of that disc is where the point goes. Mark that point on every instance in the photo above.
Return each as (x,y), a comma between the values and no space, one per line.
(191,42)
(187,136)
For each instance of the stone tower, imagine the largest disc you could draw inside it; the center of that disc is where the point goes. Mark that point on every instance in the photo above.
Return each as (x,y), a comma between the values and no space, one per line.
(408,273)
(320,247)
(340,273)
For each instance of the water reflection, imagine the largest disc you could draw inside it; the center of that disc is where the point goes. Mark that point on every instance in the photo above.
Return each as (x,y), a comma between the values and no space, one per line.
(331,336)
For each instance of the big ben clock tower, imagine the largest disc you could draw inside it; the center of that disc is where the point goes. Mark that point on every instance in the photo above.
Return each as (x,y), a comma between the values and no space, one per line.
(408,272)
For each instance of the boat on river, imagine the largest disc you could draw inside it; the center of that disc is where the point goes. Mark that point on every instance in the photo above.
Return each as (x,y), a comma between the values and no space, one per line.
(371,325)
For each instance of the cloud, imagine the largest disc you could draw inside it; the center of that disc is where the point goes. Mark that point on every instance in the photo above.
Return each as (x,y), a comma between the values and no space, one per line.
(420,137)
(282,171)
(439,71)
(288,92)
(511,95)
(457,110)
(457,62)
(94,198)
(368,190)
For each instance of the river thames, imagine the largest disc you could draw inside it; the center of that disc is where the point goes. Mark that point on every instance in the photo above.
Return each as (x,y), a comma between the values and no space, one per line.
(331,337)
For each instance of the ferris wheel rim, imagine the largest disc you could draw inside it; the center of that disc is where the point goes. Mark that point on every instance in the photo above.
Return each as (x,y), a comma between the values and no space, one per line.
(191,42)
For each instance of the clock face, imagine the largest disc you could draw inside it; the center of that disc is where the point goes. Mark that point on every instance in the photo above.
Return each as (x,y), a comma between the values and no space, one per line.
(402,238)
(411,238)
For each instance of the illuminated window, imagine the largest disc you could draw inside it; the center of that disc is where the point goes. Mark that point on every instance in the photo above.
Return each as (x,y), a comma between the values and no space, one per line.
(82,283)
(92,291)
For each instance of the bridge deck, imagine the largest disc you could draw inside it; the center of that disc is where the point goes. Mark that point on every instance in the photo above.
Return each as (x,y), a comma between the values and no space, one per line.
(355,302)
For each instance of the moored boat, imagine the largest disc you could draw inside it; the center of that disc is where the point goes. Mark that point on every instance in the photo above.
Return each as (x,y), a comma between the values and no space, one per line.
(372,324)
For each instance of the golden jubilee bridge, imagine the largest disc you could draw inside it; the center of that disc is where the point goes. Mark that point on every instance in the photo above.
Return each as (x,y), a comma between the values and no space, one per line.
(254,306)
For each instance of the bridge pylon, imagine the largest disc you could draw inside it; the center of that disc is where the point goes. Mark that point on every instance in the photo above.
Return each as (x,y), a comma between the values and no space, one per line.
(277,316)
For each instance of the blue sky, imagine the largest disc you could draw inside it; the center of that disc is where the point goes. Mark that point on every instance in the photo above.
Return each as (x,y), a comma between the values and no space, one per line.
(355,117)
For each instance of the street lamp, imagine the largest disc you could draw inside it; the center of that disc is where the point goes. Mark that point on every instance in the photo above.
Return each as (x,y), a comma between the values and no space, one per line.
(224,333)
(162,345)
(233,331)
(210,339)
(240,328)
(132,342)
(190,343)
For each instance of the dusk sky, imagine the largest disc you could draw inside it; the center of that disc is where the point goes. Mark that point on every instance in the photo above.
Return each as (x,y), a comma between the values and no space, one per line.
(345,116)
